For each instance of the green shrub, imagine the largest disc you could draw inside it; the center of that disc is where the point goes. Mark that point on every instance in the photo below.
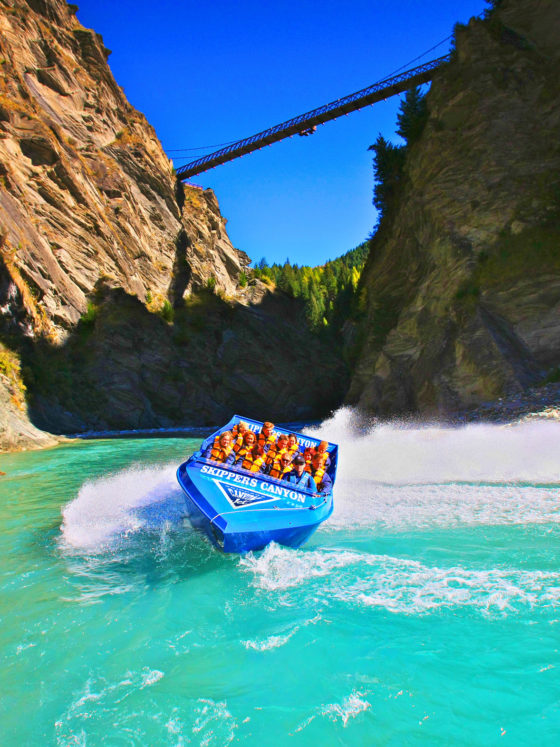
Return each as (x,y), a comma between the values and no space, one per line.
(243,279)
(211,284)
(89,316)
(166,312)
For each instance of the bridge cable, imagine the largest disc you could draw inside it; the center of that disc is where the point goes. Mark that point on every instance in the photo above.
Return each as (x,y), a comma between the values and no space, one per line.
(202,147)
(390,75)
(230,142)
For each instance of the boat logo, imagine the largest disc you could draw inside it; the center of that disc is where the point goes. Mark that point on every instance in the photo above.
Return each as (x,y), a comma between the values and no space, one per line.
(239,496)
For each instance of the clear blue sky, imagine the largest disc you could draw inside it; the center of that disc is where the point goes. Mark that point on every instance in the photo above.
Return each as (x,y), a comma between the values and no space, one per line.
(206,73)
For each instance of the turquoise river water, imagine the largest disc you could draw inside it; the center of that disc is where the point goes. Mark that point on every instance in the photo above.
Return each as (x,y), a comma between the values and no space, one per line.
(425,611)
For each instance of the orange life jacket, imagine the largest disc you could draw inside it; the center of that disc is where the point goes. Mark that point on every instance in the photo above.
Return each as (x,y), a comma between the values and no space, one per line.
(238,443)
(251,464)
(218,454)
(241,453)
(270,440)
(274,454)
(317,475)
(278,471)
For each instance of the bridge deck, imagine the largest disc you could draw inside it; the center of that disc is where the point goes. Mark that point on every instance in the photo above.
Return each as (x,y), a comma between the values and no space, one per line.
(378,91)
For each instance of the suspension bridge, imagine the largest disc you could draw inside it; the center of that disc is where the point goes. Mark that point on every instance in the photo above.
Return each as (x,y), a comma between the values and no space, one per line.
(306,123)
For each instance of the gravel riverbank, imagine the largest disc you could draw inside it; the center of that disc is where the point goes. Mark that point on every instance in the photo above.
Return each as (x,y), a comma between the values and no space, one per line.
(539,402)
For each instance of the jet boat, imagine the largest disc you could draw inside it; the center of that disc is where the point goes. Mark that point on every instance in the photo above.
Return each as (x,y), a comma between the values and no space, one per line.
(242,511)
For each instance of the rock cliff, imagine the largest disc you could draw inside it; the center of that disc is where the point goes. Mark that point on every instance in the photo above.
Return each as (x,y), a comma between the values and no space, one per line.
(462,286)
(106,261)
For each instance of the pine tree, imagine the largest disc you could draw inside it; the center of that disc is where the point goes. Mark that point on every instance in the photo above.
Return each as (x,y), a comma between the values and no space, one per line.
(388,163)
(412,115)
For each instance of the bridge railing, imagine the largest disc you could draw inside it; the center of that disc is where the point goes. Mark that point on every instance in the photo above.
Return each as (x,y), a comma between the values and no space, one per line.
(365,97)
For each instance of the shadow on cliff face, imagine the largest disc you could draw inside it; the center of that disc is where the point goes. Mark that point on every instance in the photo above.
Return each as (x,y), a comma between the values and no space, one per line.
(125,367)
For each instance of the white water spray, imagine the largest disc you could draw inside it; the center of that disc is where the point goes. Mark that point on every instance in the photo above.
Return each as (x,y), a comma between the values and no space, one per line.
(395,474)
(123,503)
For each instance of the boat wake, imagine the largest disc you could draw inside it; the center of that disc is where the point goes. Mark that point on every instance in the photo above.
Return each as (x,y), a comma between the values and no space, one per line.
(390,476)
(398,585)
(401,476)
(118,505)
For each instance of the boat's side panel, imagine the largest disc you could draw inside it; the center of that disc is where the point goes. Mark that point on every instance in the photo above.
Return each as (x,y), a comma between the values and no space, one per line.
(201,522)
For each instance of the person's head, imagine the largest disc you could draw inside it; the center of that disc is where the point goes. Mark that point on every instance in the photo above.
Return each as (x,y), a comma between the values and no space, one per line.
(285,460)
(307,454)
(242,427)
(225,439)
(249,439)
(322,447)
(292,440)
(257,451)
(298,464)
(316,460)
(282,441)
(267,428)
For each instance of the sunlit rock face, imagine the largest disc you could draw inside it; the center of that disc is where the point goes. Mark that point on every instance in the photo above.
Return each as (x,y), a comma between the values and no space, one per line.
(120,290)
(87,191)
(463,284)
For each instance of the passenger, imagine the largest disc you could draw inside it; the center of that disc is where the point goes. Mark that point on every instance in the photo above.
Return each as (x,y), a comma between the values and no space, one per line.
(307,457)
(249,441)
(293,444)
(323,453)
(239,430)
(280,466)
(253,460)
(298,476)
(267,436)
(277,449)
(319,474)
(223,450)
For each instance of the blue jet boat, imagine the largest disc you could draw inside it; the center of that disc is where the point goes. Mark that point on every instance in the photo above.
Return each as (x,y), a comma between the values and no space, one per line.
(242,511)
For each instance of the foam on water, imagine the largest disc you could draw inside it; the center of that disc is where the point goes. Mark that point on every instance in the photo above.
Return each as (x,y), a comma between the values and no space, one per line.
(399,585)
(123,503)
(417,603)
(349,708)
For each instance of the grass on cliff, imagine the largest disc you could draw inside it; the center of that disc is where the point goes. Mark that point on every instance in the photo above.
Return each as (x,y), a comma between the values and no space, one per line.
(10,369)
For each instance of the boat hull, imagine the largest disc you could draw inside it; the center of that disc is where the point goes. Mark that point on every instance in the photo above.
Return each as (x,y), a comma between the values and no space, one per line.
(251,526)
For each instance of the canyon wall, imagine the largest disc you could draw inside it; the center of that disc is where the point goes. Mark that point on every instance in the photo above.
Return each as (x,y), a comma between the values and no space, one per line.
(121,295)
(462,287)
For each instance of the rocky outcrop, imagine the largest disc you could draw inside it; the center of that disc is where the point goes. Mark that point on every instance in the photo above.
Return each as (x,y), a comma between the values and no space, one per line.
(16,431)
(87,192)
(119,287)
(463,283)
